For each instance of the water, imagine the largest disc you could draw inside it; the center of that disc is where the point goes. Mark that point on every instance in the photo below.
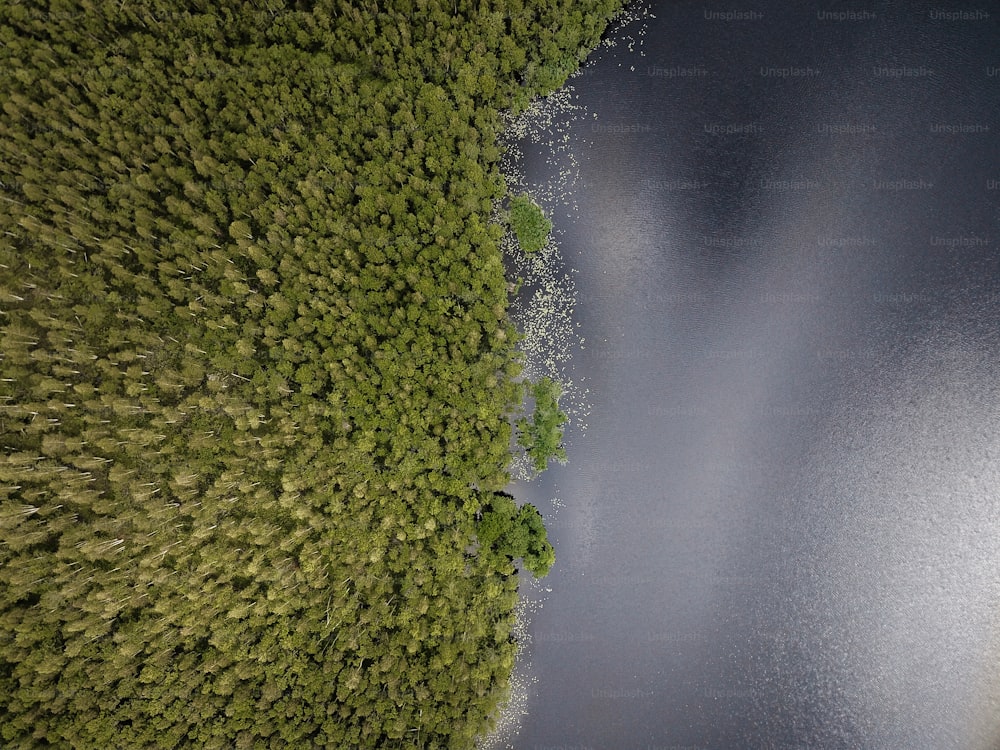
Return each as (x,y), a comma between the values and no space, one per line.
(781,528)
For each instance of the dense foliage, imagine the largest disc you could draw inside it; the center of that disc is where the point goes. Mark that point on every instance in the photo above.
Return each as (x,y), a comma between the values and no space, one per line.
(529,223)
(542,435)
(256,367)
(511,532)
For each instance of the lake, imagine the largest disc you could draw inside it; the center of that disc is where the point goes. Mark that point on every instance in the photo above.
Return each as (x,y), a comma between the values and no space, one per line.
(781,527)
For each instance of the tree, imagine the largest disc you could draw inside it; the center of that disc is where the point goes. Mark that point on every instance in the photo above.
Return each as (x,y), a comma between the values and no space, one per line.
(542,436)
(511,532)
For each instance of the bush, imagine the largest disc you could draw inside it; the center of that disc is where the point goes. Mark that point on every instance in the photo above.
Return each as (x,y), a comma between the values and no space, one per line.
(529,223)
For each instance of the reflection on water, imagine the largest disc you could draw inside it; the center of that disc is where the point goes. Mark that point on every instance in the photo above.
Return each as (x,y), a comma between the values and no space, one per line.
(782,527)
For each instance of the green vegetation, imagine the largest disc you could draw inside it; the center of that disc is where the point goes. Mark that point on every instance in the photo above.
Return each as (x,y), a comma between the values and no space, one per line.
(529,223)
(257,374)
(509,531)
(542,436)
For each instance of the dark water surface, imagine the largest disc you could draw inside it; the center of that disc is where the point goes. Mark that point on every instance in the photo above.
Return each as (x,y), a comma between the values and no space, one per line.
(782,527)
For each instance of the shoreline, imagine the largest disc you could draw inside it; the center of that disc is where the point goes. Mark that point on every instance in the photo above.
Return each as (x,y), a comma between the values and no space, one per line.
(542,312)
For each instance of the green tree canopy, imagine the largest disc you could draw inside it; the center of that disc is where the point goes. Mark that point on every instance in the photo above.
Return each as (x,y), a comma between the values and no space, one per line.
(258,376)
(511,532)
(542,436)
(530,225)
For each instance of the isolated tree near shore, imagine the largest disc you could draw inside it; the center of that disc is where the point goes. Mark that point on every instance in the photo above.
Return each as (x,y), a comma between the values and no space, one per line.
(529,223)
(511,532)
(542,436)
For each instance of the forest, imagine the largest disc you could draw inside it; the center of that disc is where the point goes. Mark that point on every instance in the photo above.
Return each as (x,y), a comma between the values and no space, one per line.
(257,378)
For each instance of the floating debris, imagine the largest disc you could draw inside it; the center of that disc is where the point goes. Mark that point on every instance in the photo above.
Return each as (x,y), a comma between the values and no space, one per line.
(615,34)
(543,310)
(522,679)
